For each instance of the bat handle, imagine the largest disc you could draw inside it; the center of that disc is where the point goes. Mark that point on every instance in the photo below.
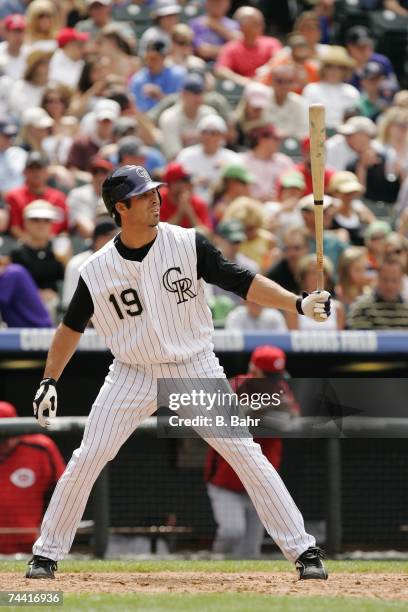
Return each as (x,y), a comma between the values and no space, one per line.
(320,280)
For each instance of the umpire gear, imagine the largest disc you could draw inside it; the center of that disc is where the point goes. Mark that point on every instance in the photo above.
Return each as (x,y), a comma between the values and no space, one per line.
(124,183)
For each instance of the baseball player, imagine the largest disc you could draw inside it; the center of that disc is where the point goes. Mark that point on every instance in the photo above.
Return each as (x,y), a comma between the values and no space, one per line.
(144,291)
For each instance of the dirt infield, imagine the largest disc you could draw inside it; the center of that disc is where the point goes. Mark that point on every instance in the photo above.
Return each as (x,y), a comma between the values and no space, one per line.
(389,586)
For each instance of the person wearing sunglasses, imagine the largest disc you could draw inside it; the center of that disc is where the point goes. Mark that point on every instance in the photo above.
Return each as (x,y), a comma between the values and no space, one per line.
(182,50)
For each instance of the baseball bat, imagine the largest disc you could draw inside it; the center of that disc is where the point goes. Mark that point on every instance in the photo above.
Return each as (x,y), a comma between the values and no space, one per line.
(317,132)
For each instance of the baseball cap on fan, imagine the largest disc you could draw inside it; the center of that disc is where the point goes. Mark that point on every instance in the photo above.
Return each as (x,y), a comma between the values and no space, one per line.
(373,70)
(345,182)
(358,124)
(257,95)
(213,123)
(37,160)
(15,22)
(7,410)
(231,230)
(269,359)
(194,83)
(68,35)
(8,128)
(358,35)
(175,172)
(37,117)
(40,209)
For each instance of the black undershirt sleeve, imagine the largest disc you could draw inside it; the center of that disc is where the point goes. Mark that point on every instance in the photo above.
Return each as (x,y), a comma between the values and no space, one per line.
(80,309)
(215,269)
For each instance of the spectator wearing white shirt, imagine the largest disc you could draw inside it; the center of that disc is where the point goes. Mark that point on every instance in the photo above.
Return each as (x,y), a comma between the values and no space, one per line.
(105,229)
(83,201)
(12,158)
(179,123)
(352,140)
(12,49)
(332,90)
(287,108)
(67,62)
(205,162)
(265,161)
(27,92)
(252,317)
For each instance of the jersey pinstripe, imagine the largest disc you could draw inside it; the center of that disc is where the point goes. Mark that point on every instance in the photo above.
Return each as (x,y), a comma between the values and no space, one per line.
(169,320)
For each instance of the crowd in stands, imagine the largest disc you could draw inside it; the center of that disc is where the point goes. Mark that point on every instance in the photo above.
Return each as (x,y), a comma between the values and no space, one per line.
(212,97)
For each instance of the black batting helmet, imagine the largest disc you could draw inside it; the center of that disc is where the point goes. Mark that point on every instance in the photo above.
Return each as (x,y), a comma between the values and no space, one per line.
(125,182)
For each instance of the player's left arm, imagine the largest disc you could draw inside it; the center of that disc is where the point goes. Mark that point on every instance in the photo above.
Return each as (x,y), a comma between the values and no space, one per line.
(214,268)
(266,292)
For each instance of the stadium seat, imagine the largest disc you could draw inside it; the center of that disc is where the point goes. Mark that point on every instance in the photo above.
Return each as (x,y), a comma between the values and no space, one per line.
(191,10)
(137,17)
(348,13)
(381,210)
(291,147)
(390,33)
(132,12)
(230,90)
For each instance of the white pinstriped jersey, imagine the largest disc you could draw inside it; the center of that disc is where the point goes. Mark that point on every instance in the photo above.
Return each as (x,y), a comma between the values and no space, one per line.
(153,311)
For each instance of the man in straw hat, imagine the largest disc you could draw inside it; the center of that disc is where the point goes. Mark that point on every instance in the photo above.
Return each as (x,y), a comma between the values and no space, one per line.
(333,90)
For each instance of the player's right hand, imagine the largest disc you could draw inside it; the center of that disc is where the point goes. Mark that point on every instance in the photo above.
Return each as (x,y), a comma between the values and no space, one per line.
(45,402)
(316,305)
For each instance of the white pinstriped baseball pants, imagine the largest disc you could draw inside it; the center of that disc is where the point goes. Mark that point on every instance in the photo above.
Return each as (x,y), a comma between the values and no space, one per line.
(127,397)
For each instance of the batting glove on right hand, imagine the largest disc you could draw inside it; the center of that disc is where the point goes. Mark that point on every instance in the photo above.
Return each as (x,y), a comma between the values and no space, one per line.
(315,305)
(45,402)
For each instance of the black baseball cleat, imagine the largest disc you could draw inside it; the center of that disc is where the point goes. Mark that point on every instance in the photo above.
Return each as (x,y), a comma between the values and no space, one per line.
(41,567)
(310,566)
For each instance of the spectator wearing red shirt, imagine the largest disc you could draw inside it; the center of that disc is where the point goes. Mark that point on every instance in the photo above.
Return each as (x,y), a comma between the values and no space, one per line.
(30,467)
(239,530)
(35,188)
(305,168)
(239,60)
(180,205)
